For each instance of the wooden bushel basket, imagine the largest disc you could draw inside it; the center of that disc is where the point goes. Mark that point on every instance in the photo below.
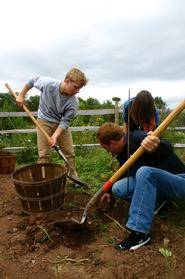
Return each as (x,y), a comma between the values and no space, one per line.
(40,187)
(7,162)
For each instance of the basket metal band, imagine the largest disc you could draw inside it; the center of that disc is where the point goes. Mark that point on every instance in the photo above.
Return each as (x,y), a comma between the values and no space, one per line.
(40,198)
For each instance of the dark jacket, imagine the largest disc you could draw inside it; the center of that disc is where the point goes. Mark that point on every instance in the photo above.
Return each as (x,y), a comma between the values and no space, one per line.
(163,158)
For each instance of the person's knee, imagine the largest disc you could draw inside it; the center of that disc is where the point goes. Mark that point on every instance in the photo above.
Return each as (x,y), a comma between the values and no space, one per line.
(144,172)
(118,189)
(115,190)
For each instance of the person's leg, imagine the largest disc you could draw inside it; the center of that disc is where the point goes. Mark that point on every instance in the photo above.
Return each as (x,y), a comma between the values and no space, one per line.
(65,142)
(44,149)
(124,188)
(152,183)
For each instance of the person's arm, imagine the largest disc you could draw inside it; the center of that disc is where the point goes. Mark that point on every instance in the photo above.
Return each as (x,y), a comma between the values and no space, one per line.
(67,117)
(150,143)
(157,147)
(33,81)
(21,97)
(55,135)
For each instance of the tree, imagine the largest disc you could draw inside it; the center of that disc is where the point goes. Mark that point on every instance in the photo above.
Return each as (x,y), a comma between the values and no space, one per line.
(7,102)
(116,99)
(160,104)
(33,102)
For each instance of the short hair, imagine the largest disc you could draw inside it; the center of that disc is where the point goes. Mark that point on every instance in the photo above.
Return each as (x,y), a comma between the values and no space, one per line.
(108,132)
(77,75)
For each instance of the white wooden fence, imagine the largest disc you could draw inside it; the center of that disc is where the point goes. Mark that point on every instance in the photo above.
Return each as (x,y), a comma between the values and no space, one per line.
(115,111)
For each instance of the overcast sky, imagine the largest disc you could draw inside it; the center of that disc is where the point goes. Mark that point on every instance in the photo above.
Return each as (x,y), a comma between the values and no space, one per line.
(119,44)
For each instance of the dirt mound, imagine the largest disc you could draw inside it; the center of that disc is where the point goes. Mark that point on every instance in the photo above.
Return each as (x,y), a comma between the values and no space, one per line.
(48,246)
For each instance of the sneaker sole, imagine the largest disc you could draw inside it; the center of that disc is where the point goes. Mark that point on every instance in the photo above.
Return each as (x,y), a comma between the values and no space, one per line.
(141,244)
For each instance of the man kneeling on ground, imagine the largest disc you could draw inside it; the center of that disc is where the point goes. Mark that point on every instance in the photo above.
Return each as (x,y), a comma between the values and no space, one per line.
(157,176)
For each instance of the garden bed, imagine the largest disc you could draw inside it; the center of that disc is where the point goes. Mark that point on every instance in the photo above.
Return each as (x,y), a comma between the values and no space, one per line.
(35,246)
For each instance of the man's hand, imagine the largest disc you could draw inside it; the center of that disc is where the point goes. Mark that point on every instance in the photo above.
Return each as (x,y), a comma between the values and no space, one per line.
(105,197)
(150,143)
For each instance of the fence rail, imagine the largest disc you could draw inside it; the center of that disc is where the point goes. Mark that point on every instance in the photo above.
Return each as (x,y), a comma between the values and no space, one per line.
(116,111)
(79,112)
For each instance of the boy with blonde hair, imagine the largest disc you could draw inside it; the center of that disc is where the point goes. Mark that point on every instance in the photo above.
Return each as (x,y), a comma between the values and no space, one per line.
(57,107)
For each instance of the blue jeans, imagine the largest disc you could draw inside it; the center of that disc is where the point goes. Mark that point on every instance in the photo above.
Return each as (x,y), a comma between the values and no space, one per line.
(124,188)
(151,185)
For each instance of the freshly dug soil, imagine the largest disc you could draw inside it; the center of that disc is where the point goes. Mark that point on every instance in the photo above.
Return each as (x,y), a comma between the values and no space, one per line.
(48,246)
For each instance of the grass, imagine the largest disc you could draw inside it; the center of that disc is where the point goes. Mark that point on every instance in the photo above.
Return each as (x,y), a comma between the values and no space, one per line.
(94,166)
(103,228)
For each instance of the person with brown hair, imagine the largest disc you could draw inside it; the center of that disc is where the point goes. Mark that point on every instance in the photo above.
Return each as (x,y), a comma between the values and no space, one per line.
(140,113)
(57,107)
(158,175)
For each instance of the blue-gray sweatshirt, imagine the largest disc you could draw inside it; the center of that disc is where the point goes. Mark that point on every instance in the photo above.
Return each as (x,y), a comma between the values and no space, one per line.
(54,107)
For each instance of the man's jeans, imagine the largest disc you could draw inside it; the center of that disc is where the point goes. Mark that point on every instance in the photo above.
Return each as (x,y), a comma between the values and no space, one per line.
(124,188)
(150,186)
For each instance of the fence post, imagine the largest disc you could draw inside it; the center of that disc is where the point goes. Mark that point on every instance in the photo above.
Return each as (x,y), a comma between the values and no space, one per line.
(116,108)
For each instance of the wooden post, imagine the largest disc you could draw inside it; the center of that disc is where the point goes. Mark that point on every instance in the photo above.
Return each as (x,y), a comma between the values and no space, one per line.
(116,109)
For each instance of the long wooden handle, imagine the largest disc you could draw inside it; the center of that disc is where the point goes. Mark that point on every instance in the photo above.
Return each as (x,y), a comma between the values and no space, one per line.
(160,129)
(29,113)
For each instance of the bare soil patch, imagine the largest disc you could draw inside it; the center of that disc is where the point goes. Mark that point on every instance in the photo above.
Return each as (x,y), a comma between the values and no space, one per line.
(38,246)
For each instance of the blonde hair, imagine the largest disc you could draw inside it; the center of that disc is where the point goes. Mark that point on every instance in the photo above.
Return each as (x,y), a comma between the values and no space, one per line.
(77,76)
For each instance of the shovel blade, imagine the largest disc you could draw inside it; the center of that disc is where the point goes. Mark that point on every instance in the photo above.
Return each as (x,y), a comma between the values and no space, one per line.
(83,219)
(72,223)
(78,181)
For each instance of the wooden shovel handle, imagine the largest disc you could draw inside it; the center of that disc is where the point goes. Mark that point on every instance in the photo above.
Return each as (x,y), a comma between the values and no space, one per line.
(160,129)
(29,113)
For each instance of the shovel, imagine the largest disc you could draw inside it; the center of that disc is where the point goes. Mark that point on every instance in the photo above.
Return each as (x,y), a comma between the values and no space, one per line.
(161,128)
(58,150)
